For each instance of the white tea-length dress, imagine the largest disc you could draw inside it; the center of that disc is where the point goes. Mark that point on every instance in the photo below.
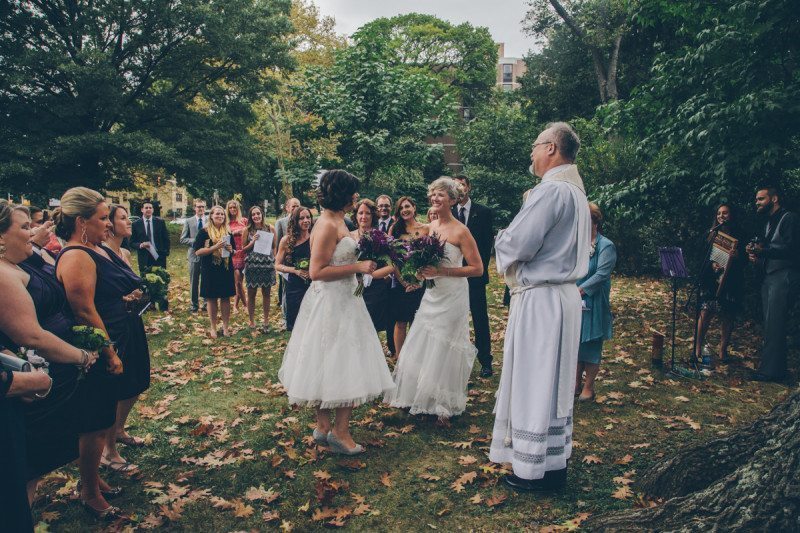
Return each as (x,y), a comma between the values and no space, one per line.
(436,360)
(334,357)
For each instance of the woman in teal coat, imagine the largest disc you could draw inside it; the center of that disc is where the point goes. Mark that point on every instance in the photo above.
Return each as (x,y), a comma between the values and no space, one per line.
(595,289)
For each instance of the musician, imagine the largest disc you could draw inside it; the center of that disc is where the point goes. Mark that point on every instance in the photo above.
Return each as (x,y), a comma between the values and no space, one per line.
(724,301)
(778,257)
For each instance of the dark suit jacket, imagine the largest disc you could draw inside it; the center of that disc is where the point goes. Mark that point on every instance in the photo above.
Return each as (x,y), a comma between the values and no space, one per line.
(160,237)
(781,247)
(480,224)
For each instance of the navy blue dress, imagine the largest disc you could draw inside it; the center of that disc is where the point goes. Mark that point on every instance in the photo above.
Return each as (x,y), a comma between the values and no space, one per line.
(296,286)
(51,424)
(14,511)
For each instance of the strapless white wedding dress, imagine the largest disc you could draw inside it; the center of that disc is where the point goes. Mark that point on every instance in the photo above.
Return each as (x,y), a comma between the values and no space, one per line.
(436,360)
(334,357)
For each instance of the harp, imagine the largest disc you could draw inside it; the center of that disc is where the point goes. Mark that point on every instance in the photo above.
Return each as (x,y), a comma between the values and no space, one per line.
(723,249)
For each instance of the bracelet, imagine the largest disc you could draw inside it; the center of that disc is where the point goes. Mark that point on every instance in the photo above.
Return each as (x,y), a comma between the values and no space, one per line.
(84,359)
(46,394)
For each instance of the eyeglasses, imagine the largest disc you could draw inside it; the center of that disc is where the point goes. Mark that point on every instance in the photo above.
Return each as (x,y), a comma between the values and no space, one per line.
(543,142)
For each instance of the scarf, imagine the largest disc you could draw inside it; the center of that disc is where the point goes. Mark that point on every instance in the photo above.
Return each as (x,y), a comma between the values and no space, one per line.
(215,235)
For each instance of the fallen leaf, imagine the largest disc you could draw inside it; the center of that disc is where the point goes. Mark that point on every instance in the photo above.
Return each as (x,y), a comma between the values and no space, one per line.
(622,493)
(466,460)
(429,477)
(476,499)
(624,460)
(386,480)
(592,460)
(681,398)
(496,500)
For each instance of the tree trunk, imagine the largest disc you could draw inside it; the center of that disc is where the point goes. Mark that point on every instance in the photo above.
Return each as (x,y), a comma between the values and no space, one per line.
(749,480)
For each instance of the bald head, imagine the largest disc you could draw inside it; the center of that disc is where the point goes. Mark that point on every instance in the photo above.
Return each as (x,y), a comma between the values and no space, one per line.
(291,205)
(557,145)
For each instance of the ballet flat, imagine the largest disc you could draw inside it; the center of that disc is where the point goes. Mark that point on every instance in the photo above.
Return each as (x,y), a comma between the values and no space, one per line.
(320,437)
(336,446)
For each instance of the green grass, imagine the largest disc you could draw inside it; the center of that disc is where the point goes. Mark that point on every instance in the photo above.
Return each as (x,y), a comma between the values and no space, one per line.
(219,426)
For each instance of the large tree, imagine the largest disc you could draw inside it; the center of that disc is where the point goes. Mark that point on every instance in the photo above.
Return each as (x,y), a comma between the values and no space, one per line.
(384,111)
(90,90)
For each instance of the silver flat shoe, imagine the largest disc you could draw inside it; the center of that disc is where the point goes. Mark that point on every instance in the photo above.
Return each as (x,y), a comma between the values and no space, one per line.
(320,437)
(336,446)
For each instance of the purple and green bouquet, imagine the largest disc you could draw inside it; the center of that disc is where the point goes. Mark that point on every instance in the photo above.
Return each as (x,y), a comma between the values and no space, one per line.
(422,252)
(375,245)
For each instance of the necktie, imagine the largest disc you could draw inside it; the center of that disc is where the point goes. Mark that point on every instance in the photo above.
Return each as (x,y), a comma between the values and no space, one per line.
(199,223)
(147,230)
(461,215)
(383,226)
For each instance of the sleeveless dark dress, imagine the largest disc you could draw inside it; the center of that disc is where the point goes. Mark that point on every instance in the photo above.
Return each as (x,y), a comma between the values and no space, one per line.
(51,425)
(14,510)
(405,304)
(296,286)
(216,281)
(115,279)
(376,296)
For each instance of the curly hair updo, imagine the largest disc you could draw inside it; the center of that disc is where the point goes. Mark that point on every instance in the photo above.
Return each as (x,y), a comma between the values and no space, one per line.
(76,202)
(336,189)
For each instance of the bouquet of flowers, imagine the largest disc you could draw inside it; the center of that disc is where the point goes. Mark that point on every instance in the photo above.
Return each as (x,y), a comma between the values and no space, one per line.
(156,281)
(374,245)
(89,338)
(422,252)
(303,264)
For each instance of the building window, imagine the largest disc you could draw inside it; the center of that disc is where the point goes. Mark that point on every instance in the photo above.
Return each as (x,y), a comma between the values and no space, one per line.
(124,197)
(508,73)
(114,199)
(508,87)
(178,197)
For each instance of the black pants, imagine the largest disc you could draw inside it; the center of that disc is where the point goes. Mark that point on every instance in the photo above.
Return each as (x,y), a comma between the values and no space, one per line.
(480,320)
(778,293)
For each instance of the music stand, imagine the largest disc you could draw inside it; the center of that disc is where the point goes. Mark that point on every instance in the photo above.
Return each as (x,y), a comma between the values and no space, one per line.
(674,268)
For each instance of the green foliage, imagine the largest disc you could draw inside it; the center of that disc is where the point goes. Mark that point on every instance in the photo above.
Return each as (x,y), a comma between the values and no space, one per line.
(89,338)
(462,56)
(91,91)
(383,111)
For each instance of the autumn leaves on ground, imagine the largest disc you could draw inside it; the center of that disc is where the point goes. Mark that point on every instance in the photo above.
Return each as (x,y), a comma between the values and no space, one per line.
(226,453)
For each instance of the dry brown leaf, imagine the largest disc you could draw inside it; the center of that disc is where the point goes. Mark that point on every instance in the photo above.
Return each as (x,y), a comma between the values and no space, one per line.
(476,499)
(624,460)
(429,477)
(622,493)
(241,509)
(496,500)
(386,480)
(592,460)
(269,516)
(259,493)
(322,475)
(681,399)
(466,460)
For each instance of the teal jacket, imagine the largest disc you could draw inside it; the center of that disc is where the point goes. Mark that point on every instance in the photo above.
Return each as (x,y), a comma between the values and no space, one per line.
(597,319)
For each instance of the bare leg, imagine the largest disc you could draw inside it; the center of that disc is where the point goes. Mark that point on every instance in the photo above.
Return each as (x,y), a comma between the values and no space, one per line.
(579,377)
(702,328)
(400,329)
(265,294)
(118,429)
(341,427)
(211,305)
(225,307)
(588,386)
(237,283)
(251,305)
(324,420)
(727,330)
(91,448)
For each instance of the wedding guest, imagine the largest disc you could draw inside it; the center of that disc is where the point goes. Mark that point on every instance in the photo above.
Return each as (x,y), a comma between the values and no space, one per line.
(726,302)
(97,283)
(405,297)
(238,226)
(432,215)
(596,319)
(14,505)
(436,360)
(34,316)
(41,236)
(383,207)
(191,226)
(37,216)
(376,296)
(334,359)
(214,246)
(259,267)
(136,355)
(294,248)
(479,219)
(281,226)
(150,234)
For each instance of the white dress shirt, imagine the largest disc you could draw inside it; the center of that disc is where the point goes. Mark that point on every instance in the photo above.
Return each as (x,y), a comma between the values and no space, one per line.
(467,207)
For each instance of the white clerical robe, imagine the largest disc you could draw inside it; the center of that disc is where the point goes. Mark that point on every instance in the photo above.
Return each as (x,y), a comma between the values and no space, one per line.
(542,253)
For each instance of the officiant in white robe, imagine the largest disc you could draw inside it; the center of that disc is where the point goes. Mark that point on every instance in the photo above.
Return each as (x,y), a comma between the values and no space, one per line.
(542,254)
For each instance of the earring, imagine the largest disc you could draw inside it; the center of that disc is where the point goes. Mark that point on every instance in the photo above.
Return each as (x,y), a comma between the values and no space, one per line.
(2,250)
(84,239)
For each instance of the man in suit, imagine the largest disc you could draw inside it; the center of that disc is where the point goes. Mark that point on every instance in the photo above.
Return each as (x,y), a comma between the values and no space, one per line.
(479,219)
(191,226)
(281,228)
(383,206)
(150,233)
(779,256)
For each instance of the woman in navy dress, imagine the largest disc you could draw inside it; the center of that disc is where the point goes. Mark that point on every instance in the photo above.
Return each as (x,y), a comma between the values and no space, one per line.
(103,293)
(294,248)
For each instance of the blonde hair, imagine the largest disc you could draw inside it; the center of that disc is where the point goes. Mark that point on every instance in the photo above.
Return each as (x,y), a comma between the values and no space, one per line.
(447,184)
(76,202)
(239,216)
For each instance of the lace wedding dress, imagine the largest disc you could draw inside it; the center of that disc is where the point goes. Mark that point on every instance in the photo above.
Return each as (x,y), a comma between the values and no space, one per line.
(334,357)
(436,360)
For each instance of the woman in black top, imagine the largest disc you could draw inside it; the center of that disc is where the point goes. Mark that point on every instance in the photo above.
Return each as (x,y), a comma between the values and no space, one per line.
(214,246)
(294,255)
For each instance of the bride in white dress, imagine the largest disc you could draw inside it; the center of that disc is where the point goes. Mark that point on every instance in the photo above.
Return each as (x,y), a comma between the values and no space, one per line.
(334,359)
(436,360)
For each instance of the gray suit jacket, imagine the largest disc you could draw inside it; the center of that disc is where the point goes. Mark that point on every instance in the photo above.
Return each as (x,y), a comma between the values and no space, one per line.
(281,227)
(189,234)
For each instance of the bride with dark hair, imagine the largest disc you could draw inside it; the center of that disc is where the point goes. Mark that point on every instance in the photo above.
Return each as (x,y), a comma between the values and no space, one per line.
(334,360)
